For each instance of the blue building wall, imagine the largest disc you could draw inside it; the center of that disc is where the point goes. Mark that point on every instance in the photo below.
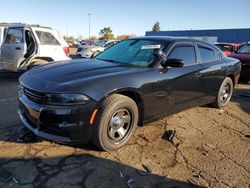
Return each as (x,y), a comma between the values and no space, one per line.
(224,35)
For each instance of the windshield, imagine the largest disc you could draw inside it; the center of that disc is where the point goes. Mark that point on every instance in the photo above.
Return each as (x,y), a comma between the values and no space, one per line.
(135,52)
(244,49)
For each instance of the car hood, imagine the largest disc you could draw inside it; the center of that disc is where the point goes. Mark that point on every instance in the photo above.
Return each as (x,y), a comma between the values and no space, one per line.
(63,75)
(241,57)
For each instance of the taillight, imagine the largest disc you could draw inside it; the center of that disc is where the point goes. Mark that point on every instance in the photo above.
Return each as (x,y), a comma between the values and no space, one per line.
(66,50)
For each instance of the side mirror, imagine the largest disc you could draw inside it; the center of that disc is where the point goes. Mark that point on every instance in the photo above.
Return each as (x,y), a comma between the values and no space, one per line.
(173,63)
(158,53)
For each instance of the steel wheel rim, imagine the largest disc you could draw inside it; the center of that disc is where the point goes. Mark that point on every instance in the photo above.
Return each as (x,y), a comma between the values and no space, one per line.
(120,125)
(225,93)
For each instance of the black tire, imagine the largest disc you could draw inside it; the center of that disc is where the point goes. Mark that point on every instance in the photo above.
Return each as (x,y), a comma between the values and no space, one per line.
(116,116)
(37,62)
(224,94)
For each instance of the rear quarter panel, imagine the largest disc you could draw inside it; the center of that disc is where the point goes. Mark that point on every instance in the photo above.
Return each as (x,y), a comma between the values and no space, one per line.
(215,72)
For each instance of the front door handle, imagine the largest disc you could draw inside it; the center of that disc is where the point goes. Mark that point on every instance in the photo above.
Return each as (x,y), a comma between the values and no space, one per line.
(161,95)
(18,48)
(198,75)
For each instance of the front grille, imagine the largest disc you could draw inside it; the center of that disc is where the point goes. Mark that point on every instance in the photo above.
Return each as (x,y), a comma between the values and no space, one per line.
(50,129)
(34,96)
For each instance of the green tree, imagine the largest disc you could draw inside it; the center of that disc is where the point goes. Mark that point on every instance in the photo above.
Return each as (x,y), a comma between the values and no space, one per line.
(106,33)
(156,27)
(93,38)
(71,38)
(123,37)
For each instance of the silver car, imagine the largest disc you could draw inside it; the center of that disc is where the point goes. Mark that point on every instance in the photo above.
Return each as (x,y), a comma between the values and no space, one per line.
(88,51)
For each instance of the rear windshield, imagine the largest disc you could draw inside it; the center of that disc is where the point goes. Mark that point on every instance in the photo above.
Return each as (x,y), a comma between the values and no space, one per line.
(46,38)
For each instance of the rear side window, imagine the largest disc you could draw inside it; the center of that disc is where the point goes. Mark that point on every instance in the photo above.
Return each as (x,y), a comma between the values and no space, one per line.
(47,38)
(186,53)
(206,54)
(14,35)
(217,55)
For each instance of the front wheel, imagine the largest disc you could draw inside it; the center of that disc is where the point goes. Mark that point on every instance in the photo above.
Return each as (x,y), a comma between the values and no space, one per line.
(224,94)
(116,122)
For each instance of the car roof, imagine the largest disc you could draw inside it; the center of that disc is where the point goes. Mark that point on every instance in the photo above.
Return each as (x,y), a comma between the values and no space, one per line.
(22,25)
(172,39)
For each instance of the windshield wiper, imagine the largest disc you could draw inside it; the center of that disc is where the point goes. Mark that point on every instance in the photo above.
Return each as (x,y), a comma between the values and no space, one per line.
(111,60)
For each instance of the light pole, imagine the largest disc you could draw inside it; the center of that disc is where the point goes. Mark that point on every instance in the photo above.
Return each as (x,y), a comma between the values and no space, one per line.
(89,24)
(67,28)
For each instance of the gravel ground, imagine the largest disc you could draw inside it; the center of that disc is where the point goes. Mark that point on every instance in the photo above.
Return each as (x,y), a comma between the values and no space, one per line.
(211,148)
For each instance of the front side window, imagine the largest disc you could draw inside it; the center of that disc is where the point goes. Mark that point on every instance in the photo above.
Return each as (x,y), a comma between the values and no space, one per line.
(46,38)
(244,49)
(206,54)
(185,53)
(14,35)
(137,52)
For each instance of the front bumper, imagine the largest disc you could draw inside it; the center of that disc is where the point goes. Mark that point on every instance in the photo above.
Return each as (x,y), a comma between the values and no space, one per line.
(64,124)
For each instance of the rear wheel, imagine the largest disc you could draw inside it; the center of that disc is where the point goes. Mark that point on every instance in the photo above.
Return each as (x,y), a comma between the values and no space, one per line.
(116,122)
(224,94)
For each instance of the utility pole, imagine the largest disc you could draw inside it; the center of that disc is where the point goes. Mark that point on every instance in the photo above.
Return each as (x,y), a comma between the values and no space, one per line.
(89,24)
(67,28)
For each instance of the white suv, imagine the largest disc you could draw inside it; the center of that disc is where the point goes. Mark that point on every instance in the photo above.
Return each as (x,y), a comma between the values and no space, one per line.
(25,46)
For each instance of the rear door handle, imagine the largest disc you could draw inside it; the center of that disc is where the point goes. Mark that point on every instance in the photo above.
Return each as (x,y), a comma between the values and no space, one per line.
(198,75)
(18,48)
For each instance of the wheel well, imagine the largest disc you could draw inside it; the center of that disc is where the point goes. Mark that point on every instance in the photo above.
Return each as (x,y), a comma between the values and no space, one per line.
(233,78)
(136,97)
(43,58)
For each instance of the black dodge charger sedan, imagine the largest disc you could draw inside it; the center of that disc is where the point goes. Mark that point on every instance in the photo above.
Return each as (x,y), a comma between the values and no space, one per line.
(132,83)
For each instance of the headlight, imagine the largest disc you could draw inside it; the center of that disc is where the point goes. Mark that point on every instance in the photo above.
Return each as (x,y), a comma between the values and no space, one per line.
(20,91)
(66,99)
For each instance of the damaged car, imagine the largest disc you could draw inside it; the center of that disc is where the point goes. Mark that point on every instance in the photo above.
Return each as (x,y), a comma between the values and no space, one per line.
(135,82)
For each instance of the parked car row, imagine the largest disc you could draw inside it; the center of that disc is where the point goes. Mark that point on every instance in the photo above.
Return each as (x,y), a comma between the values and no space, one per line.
(243,54)
(25,46)
(88,51)
(228,48)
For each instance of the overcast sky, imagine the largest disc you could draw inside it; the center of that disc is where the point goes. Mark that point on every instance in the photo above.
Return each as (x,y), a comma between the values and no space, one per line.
(127,16)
